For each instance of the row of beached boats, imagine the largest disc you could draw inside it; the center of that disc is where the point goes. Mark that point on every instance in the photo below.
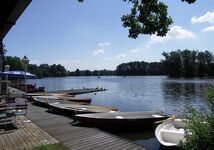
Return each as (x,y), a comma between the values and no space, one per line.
(169,131)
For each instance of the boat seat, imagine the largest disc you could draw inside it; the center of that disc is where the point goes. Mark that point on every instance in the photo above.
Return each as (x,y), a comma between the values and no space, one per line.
(173,136)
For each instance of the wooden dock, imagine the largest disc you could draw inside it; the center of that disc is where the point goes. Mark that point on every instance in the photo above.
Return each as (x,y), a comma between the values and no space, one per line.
(23,136)
(77,91)
(75,137)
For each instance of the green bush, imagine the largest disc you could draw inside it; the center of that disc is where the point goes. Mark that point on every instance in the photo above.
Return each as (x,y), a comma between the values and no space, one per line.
(200,126)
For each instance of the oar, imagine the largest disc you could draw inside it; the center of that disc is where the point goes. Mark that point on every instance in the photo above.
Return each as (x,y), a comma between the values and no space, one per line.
(170,118)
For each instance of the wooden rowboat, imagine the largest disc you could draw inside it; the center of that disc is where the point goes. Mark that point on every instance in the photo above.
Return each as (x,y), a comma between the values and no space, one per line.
(71,109)
(122,119)
(76,99)
(44,100)
(171,132)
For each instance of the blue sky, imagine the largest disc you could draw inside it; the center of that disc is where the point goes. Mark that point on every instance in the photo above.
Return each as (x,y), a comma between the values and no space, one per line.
(90,35)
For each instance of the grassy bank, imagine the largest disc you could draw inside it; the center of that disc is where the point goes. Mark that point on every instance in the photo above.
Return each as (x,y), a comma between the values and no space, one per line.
(51,147)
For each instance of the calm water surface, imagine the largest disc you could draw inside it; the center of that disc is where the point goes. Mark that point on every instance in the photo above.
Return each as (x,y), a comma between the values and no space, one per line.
(141,93)
(138,93)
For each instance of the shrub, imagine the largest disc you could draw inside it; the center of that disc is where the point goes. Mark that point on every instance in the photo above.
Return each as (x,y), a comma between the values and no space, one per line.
(200,126)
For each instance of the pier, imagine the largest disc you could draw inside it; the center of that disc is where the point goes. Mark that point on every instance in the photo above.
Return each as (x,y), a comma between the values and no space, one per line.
(77,91)
(75,137)
(23,136)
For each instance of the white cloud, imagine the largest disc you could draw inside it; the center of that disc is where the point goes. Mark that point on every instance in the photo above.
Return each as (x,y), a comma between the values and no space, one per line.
(176,32)
(134,50)
(121,55)
(208,29)
(104,44)
(99,51)
(208,17)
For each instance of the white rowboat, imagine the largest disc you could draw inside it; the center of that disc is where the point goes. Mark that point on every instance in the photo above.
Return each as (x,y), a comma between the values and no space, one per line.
(171,132)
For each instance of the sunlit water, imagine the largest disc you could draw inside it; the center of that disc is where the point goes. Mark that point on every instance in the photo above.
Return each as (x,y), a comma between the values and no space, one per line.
(138,93)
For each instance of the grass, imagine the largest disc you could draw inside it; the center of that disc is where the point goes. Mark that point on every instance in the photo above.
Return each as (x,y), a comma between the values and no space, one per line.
(58,146)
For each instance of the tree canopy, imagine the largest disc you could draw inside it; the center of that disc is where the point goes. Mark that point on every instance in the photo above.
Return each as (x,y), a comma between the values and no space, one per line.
(147,17)
(189,63)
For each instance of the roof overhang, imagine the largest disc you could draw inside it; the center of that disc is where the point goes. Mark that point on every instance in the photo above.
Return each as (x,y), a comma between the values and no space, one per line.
(10,11)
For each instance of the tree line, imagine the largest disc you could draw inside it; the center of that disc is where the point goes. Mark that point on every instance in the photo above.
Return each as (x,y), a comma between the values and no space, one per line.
(189,63)
(103,72)
(141,68)
(179,63)
(43,70)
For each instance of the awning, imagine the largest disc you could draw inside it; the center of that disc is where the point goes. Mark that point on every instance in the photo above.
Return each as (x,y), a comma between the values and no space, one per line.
(17,74)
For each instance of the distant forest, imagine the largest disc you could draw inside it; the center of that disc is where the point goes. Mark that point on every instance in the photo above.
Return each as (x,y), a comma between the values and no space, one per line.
(180,63)
(189,63)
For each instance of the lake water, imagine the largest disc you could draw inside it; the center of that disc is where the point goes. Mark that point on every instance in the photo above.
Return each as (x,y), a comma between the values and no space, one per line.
(138,93)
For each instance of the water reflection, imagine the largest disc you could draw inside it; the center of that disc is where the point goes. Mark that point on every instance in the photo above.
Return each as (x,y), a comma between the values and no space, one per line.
(181,93)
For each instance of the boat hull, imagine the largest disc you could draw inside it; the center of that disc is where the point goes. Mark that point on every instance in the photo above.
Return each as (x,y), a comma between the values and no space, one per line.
(72,109)
(122,120)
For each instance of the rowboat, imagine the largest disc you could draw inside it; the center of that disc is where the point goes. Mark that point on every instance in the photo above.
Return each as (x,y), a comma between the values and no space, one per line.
(45,100)
(76,99)
(71,109)
(121,119)
(171,132)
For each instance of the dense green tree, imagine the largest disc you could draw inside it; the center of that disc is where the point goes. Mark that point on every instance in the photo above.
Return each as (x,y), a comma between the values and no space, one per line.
(189,63)
(92,73)
(147,17)
(173,63)
(44,70)
(140,68)
(77,72)
(201,64)
(188,59)
(209,62)
(155,68)
(14,62)
(85,73)
(95,73)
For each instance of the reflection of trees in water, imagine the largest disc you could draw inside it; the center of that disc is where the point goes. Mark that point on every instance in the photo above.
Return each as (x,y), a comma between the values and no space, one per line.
(180,91)
(178,95)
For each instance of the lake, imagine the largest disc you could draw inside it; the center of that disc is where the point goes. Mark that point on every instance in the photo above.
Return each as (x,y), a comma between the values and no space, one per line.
(138,93)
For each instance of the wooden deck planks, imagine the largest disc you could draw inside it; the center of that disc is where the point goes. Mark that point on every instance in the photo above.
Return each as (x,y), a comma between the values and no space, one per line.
(76,137)
(25,136)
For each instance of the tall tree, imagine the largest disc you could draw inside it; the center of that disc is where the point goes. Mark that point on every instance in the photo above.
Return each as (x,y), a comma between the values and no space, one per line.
(209,62)
(188,59)
(173,63)
(14,62)
(201,64)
